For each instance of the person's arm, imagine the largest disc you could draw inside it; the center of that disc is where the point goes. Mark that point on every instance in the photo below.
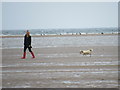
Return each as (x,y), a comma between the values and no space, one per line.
(24,39)
(30,41)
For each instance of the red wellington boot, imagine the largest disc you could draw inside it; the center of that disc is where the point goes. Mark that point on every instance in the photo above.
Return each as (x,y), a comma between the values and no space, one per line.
(24,55)
(33,56)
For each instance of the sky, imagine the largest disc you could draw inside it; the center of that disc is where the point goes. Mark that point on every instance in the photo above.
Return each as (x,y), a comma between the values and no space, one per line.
(48,15)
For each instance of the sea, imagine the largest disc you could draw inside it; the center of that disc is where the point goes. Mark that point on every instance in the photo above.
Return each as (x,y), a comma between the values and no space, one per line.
(60,31)
(71,41)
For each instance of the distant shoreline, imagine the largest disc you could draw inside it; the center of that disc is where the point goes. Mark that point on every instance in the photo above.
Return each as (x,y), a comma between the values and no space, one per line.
(61,35)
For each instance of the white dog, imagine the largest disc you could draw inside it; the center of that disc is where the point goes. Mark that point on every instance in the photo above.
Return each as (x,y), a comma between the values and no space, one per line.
(86,52)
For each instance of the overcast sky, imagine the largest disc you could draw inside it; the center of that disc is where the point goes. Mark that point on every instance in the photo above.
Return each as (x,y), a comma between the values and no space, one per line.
(37,15)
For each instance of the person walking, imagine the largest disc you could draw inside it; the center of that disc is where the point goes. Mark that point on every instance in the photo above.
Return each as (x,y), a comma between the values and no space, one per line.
(27,44)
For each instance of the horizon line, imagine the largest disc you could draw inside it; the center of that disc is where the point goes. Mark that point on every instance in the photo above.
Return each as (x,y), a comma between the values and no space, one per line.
(60,28)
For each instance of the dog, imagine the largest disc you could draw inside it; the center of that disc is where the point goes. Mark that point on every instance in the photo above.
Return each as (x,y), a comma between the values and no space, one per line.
(86,52)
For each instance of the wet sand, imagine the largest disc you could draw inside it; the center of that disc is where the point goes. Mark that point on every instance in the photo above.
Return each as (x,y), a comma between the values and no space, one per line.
(61,67)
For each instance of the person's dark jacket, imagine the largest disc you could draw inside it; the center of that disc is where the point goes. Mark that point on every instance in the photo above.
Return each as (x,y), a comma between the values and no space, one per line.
(27,41)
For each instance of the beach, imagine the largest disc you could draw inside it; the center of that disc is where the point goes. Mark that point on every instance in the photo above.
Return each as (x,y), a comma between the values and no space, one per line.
(60,64)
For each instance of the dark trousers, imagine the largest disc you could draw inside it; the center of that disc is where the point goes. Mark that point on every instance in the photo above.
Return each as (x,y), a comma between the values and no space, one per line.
(29,48)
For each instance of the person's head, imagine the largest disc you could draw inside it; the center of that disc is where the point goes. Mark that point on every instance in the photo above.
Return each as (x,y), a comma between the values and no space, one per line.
(28,33)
